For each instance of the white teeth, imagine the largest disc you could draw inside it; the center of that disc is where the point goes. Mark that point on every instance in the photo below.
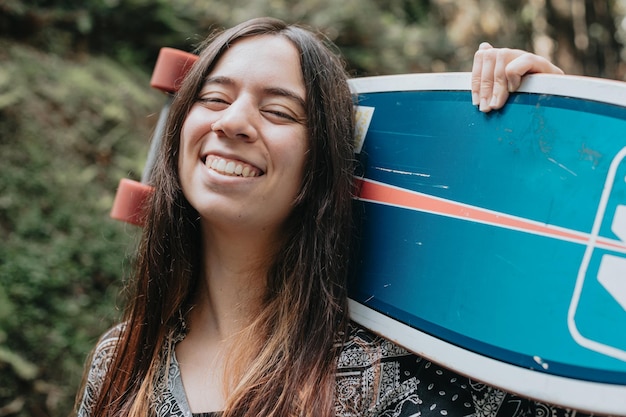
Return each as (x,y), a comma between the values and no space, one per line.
(230,167)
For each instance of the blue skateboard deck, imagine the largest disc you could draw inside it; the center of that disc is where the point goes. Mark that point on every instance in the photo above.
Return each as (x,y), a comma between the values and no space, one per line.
(495,244)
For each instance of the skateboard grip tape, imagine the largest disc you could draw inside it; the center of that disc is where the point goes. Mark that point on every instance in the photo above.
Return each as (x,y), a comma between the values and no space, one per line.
(170,69)
(130,202)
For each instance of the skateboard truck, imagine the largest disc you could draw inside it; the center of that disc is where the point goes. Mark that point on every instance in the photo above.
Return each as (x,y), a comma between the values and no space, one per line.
(169,71)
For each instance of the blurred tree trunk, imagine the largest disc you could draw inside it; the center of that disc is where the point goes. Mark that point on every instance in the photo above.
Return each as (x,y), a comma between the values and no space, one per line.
(583,32)
(583,37)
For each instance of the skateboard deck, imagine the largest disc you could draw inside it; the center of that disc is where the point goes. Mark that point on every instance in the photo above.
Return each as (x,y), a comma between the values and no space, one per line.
(495,244)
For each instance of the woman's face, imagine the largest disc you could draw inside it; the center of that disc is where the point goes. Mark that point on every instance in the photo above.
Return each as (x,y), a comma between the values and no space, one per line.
(243,143)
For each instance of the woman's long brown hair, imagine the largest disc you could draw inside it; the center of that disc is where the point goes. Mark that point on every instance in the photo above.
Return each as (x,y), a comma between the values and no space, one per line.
(291,370)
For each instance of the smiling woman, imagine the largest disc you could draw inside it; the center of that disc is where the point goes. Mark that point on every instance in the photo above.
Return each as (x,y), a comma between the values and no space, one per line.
(240,282)
(247,116)
(239,302)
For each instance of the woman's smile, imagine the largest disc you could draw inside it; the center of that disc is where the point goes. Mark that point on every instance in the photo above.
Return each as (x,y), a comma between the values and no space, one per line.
(230,167)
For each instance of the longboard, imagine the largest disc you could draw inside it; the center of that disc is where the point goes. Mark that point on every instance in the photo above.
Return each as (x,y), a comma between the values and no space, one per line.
(495,244)
(491,244)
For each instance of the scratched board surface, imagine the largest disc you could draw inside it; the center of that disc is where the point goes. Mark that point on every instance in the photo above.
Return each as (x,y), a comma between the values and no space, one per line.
(502,234)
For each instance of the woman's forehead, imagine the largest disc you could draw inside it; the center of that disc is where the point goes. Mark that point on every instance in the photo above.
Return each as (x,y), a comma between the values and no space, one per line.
(273,51)
(269,60)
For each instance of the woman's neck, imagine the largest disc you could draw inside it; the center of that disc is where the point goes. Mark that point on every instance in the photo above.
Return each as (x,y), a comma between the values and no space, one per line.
(227,299)
(234,280)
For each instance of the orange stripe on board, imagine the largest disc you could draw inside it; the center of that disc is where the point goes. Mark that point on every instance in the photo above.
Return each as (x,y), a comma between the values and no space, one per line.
(387,194)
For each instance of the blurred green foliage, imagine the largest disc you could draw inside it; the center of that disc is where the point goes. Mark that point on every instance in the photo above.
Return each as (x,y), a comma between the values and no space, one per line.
(132,31)
(76,113)
(69,130)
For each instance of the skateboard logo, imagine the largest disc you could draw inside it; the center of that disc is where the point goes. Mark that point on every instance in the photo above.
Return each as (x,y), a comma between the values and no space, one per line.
(612,272)
(597,313)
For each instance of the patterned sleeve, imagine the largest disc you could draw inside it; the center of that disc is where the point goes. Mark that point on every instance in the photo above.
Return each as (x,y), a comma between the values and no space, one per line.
(100,362)
(426,390)
(377,378)
(492,402)
(439,392)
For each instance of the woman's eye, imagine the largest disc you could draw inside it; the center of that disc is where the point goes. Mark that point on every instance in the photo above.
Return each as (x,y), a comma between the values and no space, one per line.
(281,115)
(213,102)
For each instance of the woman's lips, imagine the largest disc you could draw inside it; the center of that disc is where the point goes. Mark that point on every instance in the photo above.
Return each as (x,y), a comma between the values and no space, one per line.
(231,167)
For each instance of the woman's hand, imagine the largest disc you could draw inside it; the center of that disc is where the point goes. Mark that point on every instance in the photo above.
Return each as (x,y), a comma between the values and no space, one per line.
(498,71)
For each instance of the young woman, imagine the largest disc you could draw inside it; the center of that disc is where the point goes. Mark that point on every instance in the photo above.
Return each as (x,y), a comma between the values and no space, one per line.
(238,301)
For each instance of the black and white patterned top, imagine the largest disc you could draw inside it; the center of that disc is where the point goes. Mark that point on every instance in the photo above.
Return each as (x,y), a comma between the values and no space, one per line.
(375,378)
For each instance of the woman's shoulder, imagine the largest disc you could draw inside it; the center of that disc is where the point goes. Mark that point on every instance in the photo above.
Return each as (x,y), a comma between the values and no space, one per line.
(377,377)
(109,338)
(362,348)
(105,348)
(99,363)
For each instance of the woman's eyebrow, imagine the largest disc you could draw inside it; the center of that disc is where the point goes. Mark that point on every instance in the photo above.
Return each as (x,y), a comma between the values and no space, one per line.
(219,80)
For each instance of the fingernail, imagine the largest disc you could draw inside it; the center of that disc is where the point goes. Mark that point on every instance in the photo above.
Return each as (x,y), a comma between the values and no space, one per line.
(483,104)
(493,102)
(475,99)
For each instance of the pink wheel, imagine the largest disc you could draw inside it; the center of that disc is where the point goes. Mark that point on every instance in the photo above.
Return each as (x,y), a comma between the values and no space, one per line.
(170,69)
(130,202)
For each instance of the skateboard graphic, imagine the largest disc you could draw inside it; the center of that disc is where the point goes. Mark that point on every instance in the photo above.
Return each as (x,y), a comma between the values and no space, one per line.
(494,245)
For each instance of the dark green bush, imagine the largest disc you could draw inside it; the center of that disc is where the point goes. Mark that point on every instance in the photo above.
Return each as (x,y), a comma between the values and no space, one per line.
(69,130)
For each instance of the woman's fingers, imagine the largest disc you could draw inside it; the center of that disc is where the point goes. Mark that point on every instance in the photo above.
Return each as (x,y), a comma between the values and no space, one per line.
(477,74)
(496,72)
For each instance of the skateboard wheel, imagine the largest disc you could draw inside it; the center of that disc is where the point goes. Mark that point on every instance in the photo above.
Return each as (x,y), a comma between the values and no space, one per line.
(170,69)
(130,200)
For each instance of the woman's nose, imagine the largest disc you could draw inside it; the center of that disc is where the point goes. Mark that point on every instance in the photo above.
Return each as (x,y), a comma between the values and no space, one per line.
(237,121)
